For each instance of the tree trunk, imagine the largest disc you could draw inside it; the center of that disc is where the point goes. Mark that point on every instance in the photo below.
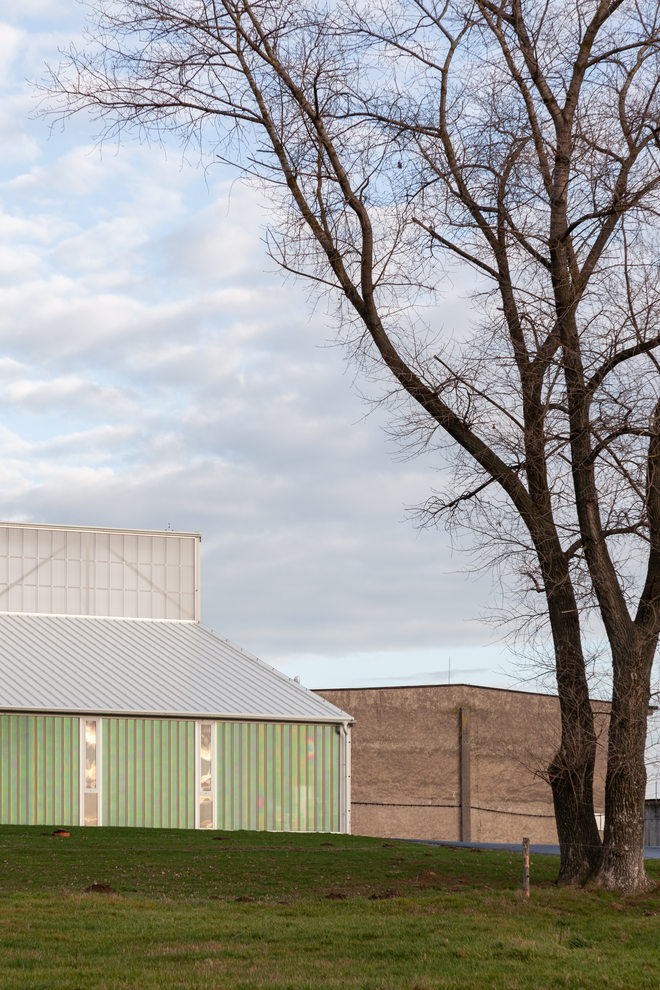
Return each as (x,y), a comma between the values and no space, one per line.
(571,772)
(622,864)
(579,841)
(571,779)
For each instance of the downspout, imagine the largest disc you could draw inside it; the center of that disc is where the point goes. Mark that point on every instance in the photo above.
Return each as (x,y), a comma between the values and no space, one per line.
(345,776)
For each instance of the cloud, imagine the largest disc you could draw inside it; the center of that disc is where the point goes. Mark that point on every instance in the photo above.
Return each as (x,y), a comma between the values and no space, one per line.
(53,11)
(17,144)
(45,395)
(10,46)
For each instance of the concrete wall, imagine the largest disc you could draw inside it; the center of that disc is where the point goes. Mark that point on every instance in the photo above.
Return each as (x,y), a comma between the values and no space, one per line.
(652,823)
(408,780)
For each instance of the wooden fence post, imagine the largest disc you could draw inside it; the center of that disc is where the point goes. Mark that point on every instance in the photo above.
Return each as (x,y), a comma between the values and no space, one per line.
(525,849)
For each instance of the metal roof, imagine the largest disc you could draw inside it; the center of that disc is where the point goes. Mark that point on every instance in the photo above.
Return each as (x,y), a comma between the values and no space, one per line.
(135,666)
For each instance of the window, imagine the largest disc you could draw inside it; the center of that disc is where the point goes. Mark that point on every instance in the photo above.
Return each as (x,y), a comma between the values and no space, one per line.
(90,771)
(205,767)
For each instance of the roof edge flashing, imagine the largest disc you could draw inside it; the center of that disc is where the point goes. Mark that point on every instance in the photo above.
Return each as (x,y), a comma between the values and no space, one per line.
(101,618)
(114,530)
(341,719)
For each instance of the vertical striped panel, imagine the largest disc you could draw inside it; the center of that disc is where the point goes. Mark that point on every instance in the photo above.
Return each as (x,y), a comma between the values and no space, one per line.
(149,772)
(39,764)
(277,776)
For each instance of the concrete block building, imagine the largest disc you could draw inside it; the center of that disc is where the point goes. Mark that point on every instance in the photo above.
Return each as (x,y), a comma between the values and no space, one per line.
(456,762)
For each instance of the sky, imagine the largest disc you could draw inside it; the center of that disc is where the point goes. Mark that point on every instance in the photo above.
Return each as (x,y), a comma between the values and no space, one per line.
(157,371)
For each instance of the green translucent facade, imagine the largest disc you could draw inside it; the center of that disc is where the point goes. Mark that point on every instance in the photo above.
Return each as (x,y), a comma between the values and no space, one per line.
(148,772)
(39,770)
(266,775)
(278,776)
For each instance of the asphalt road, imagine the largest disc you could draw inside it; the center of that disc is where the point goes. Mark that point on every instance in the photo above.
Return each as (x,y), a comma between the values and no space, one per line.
(650,852)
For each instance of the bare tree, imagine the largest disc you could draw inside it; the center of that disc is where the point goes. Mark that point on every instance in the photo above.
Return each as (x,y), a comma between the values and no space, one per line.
(399,139)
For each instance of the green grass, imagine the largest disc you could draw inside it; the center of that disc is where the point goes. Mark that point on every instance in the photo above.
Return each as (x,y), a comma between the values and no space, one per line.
(263,910)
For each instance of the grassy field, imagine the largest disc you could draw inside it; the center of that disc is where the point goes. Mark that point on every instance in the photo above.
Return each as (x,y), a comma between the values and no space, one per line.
(263,910)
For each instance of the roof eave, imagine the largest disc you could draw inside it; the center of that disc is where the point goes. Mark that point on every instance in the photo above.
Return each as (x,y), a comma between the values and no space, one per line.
(342,718)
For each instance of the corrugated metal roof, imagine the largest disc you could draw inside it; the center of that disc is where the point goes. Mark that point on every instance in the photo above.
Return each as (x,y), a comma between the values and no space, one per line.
(70,664)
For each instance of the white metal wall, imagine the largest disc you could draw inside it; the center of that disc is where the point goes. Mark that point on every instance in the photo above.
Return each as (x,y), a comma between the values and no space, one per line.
(55,570)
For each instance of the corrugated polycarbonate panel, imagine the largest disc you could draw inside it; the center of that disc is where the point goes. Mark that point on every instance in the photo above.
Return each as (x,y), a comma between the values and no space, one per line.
(70,664)
(39,770)
(57,571)
(148,772)
(278,776)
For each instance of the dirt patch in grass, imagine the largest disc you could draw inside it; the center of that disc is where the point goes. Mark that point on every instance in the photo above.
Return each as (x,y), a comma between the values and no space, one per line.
(430,879)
